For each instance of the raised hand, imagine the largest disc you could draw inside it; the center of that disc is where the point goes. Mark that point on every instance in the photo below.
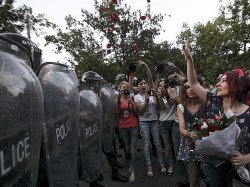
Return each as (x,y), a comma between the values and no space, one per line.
(186,51)
(141,63)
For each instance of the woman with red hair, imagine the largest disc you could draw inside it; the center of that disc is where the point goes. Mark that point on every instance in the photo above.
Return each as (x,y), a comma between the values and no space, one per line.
(231,93)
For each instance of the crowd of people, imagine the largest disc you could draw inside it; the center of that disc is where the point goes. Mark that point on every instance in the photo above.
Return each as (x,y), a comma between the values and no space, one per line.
(163,113)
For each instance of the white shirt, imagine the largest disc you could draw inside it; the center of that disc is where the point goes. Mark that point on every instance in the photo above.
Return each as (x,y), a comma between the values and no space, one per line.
(150,113)
(169,113)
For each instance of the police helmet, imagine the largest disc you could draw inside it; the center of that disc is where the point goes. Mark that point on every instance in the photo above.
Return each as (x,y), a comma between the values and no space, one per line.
(121,77)
(91,76)
(34,52)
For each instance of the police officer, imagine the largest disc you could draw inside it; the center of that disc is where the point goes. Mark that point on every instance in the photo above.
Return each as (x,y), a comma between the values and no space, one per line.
(94,80)
(21,111)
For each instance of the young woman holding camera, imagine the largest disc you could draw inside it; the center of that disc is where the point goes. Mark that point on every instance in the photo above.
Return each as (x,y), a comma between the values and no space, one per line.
(146,101)
(128,125)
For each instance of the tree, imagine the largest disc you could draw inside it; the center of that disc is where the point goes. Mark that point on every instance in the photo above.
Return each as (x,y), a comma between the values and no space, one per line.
(113,34)
(17,20)
(11,18)
(221,44)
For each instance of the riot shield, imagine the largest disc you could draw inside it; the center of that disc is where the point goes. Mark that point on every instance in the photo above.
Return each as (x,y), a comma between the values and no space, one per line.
(61,129)
(71,72)
(90,134)
(21,117)
(107,96)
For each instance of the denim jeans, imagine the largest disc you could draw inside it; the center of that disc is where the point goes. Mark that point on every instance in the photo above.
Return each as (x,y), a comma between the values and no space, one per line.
(215,175)
(130,137)
(146,128)
(167,135)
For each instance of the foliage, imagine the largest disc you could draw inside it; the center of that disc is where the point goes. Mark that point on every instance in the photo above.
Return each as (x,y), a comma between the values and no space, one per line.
(113,34)
(16,20)
(221,44)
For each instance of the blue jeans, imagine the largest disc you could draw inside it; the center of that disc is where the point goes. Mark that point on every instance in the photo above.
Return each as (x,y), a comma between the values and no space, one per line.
(130,137)
(216,176)
(146,128)
(168,137)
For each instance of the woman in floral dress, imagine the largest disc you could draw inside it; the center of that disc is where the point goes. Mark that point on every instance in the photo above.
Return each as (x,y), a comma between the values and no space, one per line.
(187,113)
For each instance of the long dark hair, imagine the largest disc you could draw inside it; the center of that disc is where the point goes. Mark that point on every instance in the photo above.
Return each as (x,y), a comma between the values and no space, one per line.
(183,95)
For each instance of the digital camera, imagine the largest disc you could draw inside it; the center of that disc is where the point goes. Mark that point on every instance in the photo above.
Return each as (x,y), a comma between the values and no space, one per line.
(170,82)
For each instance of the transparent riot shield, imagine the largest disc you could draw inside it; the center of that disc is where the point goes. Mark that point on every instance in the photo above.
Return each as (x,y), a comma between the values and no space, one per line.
(58,165)
(90,134)
(107,96)
(71,72)
(21,117)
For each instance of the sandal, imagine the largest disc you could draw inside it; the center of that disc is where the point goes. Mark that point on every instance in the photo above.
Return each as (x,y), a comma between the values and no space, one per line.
(170,171)
(150,171)
(163,168)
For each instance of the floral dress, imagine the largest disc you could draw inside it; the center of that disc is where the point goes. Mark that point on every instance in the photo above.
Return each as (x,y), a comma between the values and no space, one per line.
(185,152)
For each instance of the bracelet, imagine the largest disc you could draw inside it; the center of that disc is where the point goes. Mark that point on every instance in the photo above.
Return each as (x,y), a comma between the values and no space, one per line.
(188,134)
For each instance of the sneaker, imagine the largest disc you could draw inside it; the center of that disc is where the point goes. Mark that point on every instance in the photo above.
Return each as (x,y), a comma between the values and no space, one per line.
(163,168)
(150,171)
(132,177)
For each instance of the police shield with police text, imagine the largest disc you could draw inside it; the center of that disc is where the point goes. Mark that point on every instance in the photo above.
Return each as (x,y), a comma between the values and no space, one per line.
(90,134)
(61,129)
(21,112)
(107,96)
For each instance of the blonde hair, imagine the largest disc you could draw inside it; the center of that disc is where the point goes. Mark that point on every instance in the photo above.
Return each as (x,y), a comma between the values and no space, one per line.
(126,84)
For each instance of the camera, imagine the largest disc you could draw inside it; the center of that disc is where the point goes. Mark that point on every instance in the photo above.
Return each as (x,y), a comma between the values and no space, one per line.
(150,92)
(132,67)
(126,92)
(170,82)
(159,68)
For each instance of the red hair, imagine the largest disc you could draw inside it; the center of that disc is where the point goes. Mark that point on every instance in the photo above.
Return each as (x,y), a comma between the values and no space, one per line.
(238,87)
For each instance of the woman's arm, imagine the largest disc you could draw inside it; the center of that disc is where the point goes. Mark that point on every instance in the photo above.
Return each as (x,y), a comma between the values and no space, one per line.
(160,98)
(156,83)
(149,74)
(182,126)
(191,75)
(142,108)
(130,101)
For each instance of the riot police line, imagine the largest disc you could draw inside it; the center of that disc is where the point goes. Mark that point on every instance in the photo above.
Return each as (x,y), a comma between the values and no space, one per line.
(52,130)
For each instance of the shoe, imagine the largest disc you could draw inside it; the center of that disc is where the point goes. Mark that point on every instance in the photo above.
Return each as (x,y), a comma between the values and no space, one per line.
(182,184)
(150,171)
(116,176)
(95,184)
(100,177)
(119,177)
(132,177)
(163,168)
(170,171)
